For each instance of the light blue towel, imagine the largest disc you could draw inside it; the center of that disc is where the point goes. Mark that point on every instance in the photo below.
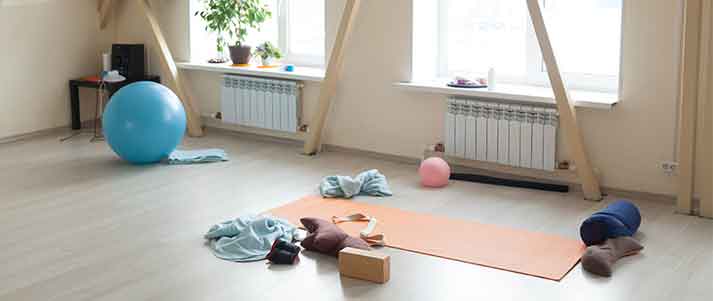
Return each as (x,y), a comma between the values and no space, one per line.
(370,182)
(248,238)
(197,156)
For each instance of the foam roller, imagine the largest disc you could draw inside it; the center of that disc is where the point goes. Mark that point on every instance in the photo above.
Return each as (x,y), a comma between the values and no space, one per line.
(621,218)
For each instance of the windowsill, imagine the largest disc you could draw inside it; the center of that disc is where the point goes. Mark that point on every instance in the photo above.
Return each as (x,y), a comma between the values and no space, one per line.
(517,93)
(300,73)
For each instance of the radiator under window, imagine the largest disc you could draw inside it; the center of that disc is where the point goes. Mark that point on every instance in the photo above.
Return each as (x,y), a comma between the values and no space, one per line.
(261,103)
(516,135)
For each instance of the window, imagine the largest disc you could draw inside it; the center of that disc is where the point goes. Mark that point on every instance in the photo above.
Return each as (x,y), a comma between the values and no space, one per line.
(475,35)
(296,26)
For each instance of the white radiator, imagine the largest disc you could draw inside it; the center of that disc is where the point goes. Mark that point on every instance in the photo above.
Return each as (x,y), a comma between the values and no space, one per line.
(515,135)
(261,103)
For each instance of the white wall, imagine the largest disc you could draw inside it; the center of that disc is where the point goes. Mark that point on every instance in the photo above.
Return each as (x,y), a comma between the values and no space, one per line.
(44,44)
(626,144)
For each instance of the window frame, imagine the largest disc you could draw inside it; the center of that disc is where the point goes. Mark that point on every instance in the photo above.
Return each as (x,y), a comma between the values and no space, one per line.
(536,73)
(283,17)
(282,14)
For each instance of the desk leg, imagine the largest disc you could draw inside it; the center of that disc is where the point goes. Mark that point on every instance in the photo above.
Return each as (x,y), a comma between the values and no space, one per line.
(74,103)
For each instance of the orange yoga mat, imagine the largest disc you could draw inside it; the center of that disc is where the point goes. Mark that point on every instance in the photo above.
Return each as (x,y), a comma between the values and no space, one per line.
(536,254)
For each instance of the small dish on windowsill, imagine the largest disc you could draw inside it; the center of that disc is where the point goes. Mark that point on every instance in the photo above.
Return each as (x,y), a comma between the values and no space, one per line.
(461,82)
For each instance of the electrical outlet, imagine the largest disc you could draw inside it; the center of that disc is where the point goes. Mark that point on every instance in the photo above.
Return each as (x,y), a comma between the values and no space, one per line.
(669,168)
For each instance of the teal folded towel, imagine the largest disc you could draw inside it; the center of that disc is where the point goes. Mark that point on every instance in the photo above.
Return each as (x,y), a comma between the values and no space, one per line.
(248,238)
(197,156)
(370,182)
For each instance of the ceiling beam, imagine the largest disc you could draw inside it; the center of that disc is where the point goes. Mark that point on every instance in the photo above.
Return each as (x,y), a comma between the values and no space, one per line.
(104,9)
(175,78)
(328,90)
(568,114)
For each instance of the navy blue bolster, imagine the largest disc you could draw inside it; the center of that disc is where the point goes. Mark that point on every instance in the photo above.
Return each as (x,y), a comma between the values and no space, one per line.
(621,218)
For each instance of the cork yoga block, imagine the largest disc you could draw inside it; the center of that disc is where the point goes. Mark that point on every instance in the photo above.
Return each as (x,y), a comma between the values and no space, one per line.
(365,265)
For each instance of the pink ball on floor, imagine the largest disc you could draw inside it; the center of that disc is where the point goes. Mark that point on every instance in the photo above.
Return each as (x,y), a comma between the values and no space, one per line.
(434,172)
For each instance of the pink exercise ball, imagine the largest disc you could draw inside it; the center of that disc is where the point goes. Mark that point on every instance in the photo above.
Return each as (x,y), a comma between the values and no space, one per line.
(434,172)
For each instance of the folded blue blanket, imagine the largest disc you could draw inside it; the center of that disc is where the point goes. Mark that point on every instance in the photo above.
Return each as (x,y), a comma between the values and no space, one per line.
(248,238)
(370,182)
(197,156)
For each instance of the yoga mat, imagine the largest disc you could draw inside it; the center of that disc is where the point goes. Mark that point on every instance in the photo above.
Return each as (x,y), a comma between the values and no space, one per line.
(531,253)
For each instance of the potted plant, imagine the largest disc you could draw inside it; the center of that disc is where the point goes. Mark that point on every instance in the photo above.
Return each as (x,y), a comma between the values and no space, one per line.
(267,52)
(231,20)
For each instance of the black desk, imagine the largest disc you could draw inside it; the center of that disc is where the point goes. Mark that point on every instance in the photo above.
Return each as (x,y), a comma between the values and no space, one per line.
(75,84)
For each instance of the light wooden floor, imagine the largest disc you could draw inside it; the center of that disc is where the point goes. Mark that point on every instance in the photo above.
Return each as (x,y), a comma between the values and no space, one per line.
(77,224)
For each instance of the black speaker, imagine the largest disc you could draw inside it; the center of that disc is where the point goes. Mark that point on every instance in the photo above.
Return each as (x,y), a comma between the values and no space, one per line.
(129,60)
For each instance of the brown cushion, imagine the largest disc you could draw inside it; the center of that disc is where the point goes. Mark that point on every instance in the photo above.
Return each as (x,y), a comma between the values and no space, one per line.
(600,259)
(326,238)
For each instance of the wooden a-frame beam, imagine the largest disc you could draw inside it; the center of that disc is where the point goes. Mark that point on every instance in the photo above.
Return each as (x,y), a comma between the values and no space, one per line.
(695,136)
(568,114)
(195,128)
(705,98)
(329,86)
(688,103)
(568,117)
(104,9)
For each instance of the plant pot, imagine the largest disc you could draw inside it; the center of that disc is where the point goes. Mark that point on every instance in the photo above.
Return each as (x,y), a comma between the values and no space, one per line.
(240,54)
(267,61)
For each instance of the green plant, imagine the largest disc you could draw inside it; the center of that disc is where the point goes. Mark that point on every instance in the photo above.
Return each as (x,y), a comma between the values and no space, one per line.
(232,18)
(267,50)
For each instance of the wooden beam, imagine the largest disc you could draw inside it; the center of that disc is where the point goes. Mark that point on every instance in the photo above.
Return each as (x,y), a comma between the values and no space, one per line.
(707,199)
(688,103)
(703,159)
(568,114)
(329,85)
(174,76)
(104,9)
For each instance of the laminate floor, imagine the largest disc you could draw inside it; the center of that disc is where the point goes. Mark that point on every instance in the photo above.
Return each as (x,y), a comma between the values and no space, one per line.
(78,224)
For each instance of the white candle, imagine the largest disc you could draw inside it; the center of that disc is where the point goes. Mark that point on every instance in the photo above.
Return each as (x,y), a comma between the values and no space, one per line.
(106,62)
(491,79)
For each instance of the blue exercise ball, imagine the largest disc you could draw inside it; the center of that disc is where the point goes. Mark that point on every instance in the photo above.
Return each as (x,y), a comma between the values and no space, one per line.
(144,122)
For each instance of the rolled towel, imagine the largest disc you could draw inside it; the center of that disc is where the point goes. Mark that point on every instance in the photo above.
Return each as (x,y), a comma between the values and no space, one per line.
(600,259)
(621,218)
(370,182)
